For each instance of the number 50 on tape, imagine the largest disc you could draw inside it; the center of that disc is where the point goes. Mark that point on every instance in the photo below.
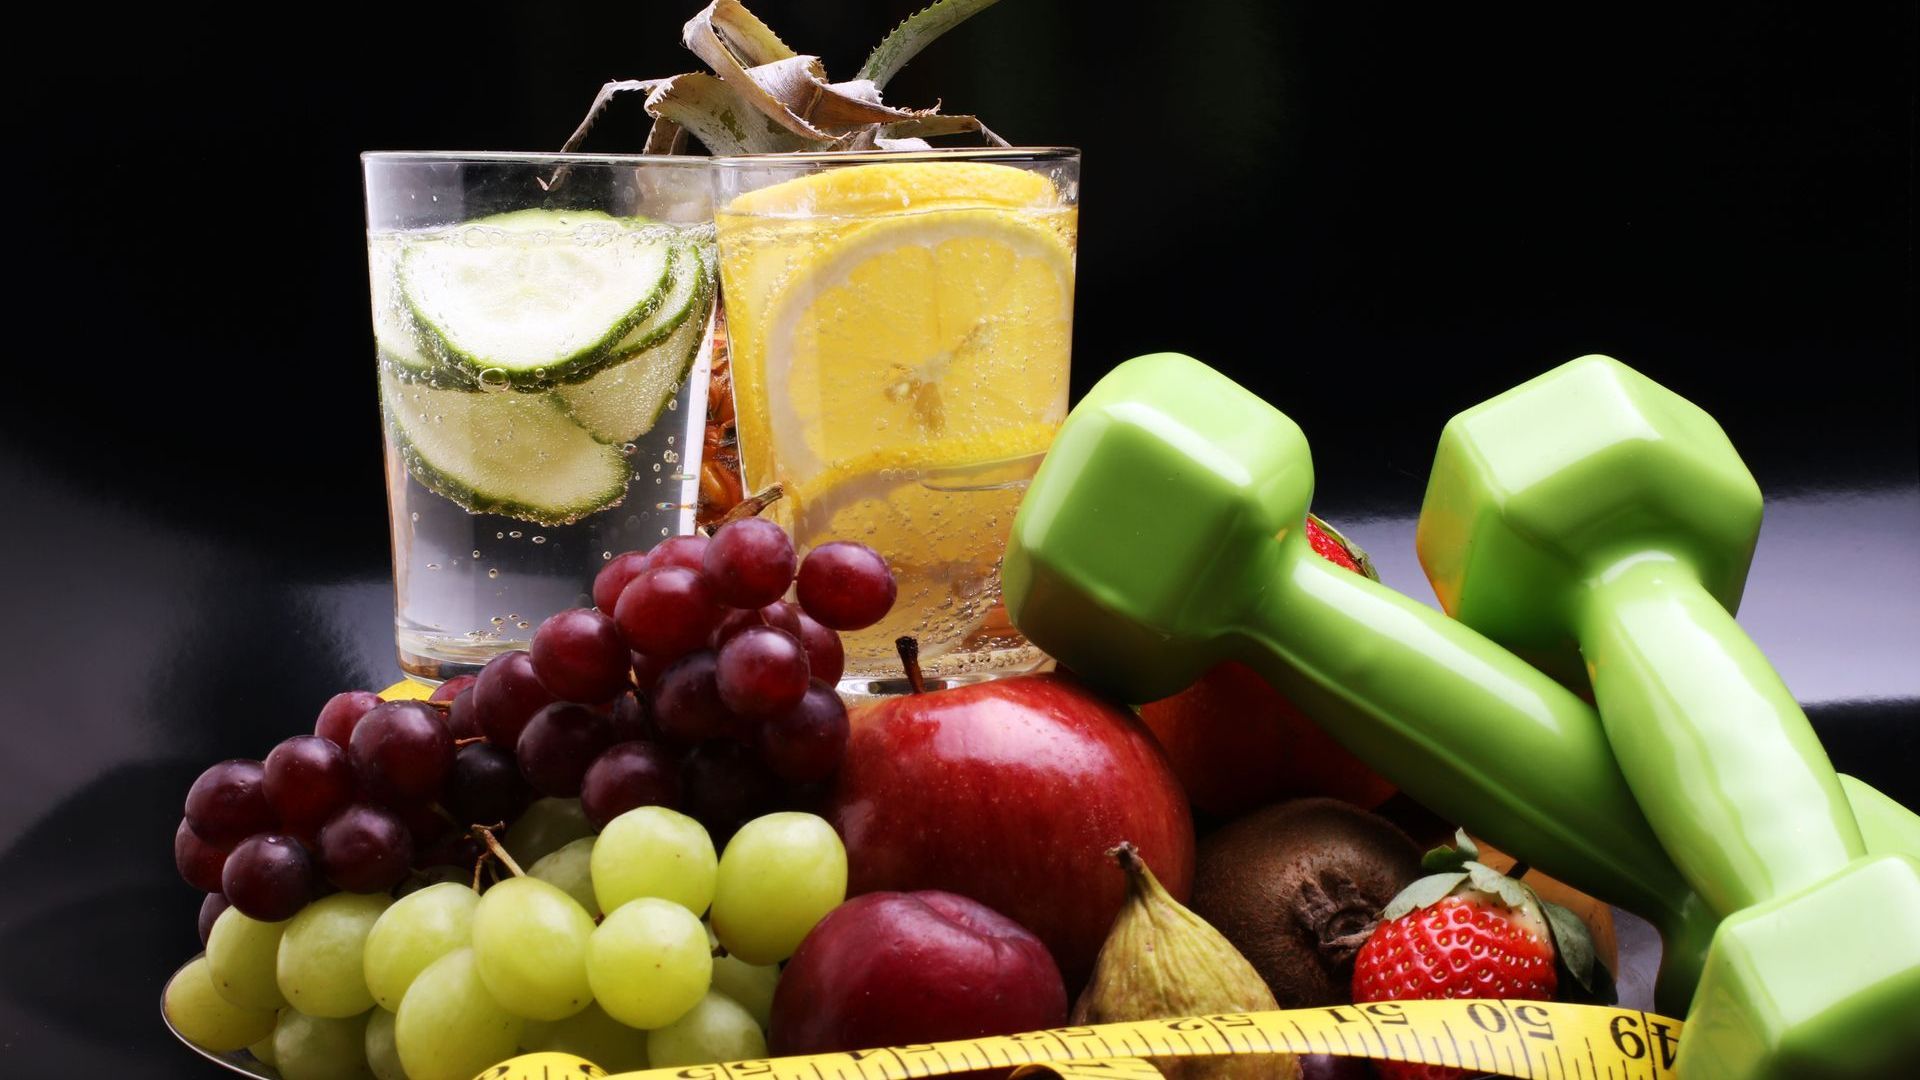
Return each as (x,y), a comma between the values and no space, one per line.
(1534,1040)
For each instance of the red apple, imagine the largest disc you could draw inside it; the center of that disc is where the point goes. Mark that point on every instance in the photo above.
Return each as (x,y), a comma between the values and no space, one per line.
(1011,792)
(1237,745)
(895,969)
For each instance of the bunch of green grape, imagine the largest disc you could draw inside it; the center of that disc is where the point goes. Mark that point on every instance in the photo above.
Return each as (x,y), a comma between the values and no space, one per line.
(636,948)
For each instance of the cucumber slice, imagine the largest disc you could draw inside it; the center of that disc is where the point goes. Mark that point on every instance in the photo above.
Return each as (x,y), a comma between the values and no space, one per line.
(396,338)
(689,286)
(535,304)
(501,453)
(623,402)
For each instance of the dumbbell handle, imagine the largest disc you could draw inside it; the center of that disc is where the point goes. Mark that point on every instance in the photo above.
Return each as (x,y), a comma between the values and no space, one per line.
(1719,755)
(1469,730)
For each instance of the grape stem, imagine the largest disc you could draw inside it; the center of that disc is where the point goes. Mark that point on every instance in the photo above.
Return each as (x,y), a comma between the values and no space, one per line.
(468,741)
(909,651)
(751,506)
(486,837)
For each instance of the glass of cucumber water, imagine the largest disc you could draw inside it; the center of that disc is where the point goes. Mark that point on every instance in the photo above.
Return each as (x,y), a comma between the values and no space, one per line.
(542,325)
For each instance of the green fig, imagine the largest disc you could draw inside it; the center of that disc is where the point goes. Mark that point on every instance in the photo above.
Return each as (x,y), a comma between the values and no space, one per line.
(1161,960)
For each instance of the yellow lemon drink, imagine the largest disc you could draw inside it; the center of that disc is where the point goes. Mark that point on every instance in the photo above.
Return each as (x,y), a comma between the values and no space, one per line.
(901,326)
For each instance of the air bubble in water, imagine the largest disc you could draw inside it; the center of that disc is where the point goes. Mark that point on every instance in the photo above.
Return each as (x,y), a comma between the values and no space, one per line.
(493,378)
(493,573)
(515,534)
(476,553)
(539,539)
(433,566)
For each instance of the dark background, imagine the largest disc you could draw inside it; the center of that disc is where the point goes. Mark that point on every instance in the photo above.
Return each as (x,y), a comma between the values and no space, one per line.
(1373,214)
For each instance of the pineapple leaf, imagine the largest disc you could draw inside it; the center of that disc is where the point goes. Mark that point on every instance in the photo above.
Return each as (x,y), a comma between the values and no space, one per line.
(914,33)
(715,113)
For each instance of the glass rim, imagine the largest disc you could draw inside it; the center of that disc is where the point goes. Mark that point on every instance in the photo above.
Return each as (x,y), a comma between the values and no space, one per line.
(523,157)
(869,157)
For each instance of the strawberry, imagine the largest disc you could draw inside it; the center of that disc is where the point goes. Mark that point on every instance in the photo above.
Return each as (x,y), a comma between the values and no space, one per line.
(1336,549)
(1467,931)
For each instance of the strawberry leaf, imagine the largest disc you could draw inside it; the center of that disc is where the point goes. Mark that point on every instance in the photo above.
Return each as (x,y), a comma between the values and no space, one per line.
(1509,890)
(1443,859)
(1572,942)
(1425,892)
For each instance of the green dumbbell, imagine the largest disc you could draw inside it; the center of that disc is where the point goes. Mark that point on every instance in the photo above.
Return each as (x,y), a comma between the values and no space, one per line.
(1164,533)
(1591,512)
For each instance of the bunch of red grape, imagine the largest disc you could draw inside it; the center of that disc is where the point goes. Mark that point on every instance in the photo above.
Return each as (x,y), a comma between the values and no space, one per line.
(691,684)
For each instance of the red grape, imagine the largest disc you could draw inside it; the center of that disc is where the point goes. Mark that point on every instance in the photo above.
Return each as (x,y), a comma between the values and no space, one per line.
(308,780)
(365,849)
(846,585)
(559,743)
(341,713)
(749,563)
(486,787)
(507,695)
(826,656)
(631,720)
(578,655)
(667,612)
(780,615)
(199,862)
(424,821)
(647,669)
(686,551)
(805,743)
(268,877)
(462,718)
(210,910)
(723,786)
(452,688)
(455,849)
(626,775)
(762,671)
(613,578)
(401,751)
(686,703)
(228,803)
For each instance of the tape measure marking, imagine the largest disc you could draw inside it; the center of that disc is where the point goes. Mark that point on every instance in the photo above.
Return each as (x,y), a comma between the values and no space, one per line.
(1533,1040)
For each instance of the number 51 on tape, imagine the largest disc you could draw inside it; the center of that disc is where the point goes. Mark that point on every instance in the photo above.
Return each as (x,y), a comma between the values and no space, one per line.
(1533,1040)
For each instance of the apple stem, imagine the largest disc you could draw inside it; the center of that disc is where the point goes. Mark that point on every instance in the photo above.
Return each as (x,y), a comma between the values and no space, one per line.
(1518,870)
(909,650)
(486,837)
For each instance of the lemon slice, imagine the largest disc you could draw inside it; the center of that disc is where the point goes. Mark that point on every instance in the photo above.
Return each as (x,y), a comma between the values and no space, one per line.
(891,187)
(950,324)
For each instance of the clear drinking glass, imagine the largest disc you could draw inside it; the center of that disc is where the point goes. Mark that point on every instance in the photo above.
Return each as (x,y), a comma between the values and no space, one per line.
(899,327)
(543,328)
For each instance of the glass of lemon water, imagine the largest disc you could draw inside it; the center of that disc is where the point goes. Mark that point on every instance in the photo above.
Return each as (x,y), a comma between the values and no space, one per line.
(900,326)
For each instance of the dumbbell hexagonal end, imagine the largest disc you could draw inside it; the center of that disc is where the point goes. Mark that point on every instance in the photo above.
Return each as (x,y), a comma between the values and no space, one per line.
(1145,530)
(1822,983)
(1535,490)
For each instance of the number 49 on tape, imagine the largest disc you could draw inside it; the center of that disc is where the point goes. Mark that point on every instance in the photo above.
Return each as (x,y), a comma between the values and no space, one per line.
(1533,1040)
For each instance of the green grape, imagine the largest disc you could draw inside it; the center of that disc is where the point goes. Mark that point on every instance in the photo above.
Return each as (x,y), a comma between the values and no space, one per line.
(383,1054)
(318,1048)
(593,1035)
(546,827)
(654,851)
(781,874)
(530,943)
(649,962)
(570,869)
(750,986)
(204,1018)
(262,1050)
(418,929)
(242,953)
(320,966)
(716,1029)
(449,1027)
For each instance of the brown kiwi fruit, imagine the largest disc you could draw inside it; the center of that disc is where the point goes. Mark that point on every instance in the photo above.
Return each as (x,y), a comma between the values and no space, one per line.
(1297,888)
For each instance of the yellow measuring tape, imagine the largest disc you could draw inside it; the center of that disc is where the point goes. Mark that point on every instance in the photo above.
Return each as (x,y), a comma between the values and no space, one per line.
(1534,1040)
